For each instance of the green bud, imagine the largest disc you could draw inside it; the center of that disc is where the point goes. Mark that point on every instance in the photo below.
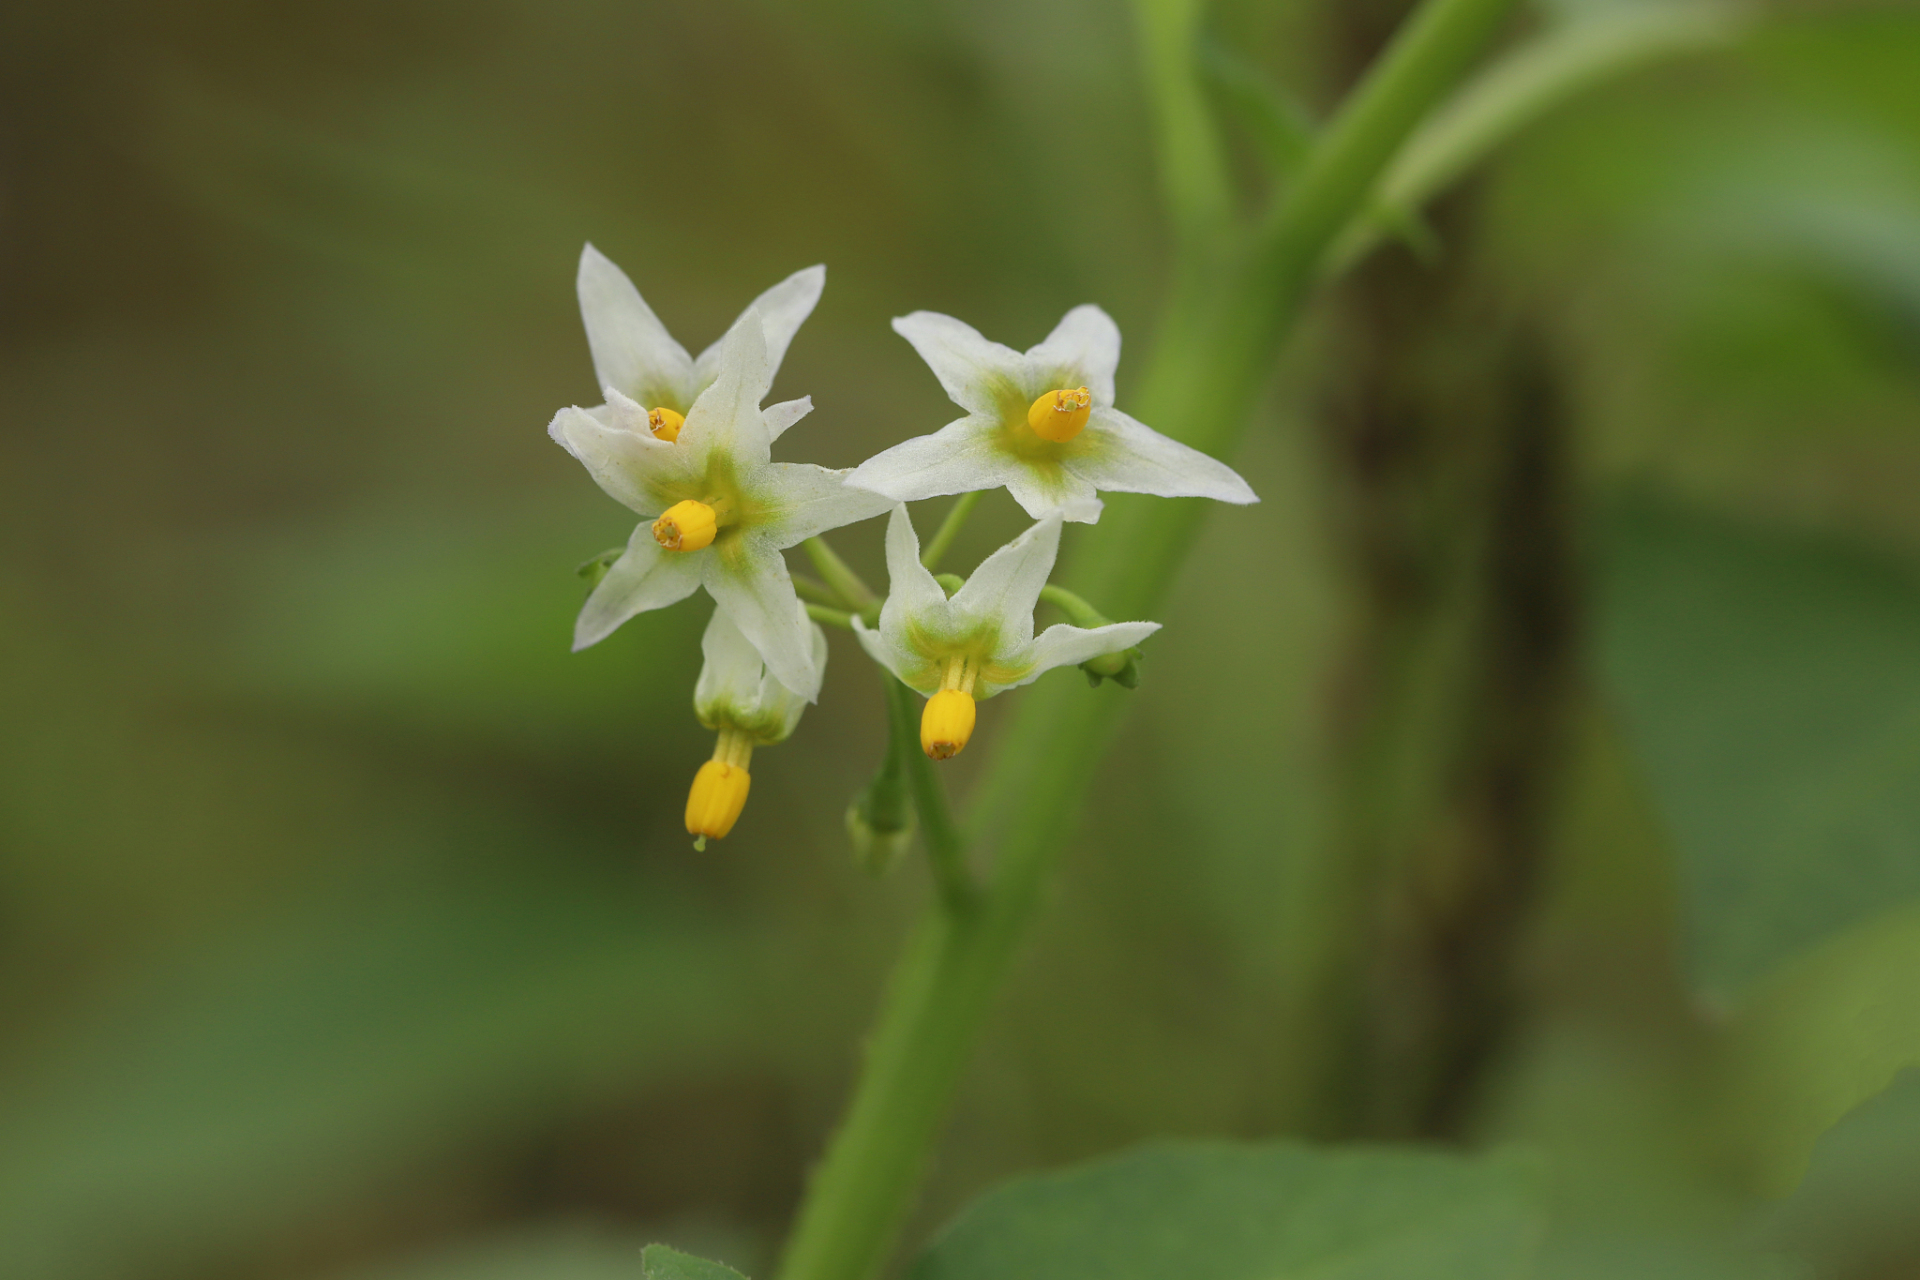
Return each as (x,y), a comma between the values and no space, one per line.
(880,821)
(595,568)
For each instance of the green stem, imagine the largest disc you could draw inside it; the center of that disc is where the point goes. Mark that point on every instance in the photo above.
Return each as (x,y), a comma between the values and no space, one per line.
(840,576)
(938,831)
(950,528)
(831,617)
(1075,607)
(817,592)
(1206,374)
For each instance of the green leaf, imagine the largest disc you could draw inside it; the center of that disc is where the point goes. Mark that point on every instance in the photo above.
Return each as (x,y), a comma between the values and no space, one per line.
(1826,1033)
(1217,1211)
(1770,687)
(662,1263)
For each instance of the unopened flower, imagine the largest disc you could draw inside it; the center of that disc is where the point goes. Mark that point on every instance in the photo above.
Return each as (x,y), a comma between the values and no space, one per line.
(1040,423)
(746,705)
(981,642)
(718,511)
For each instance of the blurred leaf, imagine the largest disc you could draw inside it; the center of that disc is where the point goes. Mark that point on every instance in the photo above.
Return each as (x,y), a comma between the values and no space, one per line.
(1214,1211)
(662,1263)
(568,1253)
(319,1058)
(1771,687)
(1827,1032)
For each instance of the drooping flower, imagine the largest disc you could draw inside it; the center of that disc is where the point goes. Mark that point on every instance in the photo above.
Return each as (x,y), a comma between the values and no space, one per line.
(718,511)
(1040,423)
(747,706)
(981,642)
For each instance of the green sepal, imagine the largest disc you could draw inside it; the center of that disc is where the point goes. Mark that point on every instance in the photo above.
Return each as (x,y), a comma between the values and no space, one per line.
(594,568)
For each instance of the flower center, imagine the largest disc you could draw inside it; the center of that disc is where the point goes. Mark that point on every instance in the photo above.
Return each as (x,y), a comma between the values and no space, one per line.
(686,526)
(665,423)
(720,788)
(947,722)
(1061,415)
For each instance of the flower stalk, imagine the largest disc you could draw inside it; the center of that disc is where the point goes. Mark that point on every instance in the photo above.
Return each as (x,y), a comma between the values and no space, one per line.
(1208,368)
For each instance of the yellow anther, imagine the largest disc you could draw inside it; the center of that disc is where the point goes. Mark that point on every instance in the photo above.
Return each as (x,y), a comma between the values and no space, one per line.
(1059,416)
(946,724)
(665,424)
(719,793)
(687,526)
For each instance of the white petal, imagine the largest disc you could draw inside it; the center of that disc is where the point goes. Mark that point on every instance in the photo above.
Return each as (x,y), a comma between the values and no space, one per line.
(913,670)
(1007,584)
(782,705)
(978,375)
(730,677)
(727,414)
(1054,491)
(1082,350)
(912,592)
(1126,456)
(1063,646)
(632,467)
(958,458)
(783,309)
(752,584)
(809,500)
(779,417)
(632,350)
(646,577)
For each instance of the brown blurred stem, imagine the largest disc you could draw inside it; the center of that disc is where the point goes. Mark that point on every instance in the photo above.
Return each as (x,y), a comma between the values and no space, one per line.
(1448,460)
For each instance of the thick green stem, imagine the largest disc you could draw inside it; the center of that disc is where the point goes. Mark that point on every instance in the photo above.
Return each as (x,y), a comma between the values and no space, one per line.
(938,831)
(1207,372)
(950,528)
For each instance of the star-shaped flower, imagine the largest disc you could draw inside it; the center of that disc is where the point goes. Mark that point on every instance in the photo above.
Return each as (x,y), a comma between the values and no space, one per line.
(981,641)
(1041,423)
(635,355)
(725,511)
(741,701)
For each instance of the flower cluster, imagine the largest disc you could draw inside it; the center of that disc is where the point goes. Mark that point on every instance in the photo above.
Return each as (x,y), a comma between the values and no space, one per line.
(686,443)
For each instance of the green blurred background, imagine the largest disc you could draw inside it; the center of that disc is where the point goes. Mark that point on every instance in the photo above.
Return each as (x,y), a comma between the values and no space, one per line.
(1566,681)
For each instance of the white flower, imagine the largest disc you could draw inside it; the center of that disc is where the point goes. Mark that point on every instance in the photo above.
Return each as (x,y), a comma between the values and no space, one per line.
(1042,424)
(740,700)
(635,355)
(981,641)
(737,694)
(725,511)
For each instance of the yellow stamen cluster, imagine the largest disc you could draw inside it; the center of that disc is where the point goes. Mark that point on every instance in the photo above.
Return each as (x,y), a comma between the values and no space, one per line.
(665,423)
(686,526)
(720,788)
(947,722)
(1061,415)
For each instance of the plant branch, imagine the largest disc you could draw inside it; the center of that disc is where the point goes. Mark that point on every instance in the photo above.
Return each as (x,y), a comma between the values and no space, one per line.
(831,617)
(950,528)
(854,593)
(1209,367)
